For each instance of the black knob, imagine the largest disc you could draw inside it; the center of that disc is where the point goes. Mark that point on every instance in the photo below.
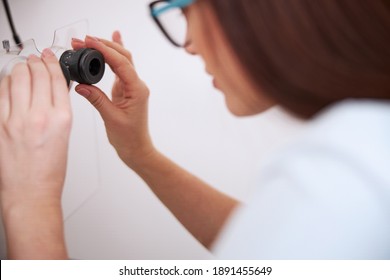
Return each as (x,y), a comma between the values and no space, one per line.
(85,66)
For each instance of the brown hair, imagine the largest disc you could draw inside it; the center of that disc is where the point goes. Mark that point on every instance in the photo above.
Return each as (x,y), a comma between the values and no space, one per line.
(308,54)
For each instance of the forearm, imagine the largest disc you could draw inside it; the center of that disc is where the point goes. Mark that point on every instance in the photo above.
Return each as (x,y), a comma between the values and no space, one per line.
(199,207)
(35,230)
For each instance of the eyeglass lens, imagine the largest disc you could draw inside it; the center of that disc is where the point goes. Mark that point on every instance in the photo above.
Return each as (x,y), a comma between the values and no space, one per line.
(175,24)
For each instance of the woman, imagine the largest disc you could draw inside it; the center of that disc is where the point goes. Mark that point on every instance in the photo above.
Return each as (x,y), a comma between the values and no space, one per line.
(325,196)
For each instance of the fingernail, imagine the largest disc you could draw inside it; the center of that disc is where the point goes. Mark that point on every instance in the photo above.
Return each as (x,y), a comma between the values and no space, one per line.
(32,57)
(47,53)
(77,40)
(92,38)
(83,91)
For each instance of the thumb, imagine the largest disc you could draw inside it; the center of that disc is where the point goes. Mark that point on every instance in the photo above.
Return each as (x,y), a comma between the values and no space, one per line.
(98,99)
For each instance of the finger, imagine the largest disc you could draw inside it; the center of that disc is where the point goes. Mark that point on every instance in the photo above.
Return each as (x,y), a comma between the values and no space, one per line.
(119,48)
(116,92)
(40,83)
(59,88)
(77,44)
(119,63)
(117,38)
(5,101)
(98,99)
(20,89)
(117,44)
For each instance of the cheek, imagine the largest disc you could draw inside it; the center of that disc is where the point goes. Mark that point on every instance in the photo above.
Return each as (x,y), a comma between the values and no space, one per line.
(208,42)
(204,36)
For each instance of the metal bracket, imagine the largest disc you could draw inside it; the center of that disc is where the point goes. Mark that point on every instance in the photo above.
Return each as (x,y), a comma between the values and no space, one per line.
(6,45)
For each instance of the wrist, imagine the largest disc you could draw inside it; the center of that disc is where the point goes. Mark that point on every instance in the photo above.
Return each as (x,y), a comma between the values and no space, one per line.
(136,153)
(143,159)
(17,209)
(34,229)
(24,200)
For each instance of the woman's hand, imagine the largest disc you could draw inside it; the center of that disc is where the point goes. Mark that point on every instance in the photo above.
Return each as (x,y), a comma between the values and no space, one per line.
(126,115)
(35,123)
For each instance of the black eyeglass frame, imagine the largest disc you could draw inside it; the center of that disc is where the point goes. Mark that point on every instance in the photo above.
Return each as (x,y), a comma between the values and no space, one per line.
(161,26)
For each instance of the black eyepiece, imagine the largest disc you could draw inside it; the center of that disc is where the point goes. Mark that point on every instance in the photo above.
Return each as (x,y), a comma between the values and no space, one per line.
(85,66)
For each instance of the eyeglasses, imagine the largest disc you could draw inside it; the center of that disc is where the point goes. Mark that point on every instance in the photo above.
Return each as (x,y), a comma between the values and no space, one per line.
(170,18)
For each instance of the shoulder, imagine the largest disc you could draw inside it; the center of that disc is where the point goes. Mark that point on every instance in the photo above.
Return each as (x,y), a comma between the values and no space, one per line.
(327,195)
(351,134)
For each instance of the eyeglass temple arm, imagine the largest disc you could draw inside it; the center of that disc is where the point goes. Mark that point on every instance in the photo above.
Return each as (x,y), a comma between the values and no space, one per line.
(171,4)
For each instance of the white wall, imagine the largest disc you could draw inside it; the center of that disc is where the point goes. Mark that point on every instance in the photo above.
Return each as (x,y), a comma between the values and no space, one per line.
(110,212)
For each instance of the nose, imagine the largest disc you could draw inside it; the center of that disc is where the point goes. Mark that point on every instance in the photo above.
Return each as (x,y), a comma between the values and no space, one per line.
(190,48)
